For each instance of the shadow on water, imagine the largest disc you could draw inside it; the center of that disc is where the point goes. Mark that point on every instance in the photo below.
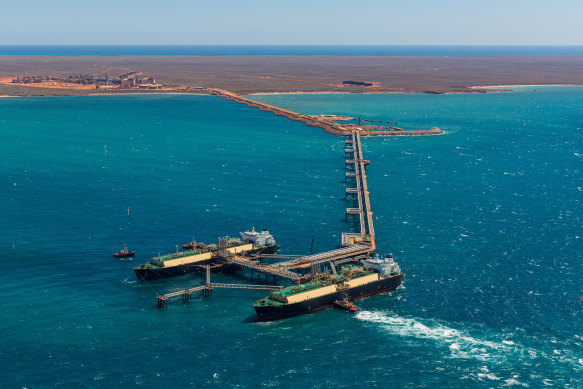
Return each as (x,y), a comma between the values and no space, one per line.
(251,319)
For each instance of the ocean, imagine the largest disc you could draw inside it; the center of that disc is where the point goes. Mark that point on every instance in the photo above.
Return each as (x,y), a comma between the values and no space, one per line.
(212,50)
(485,220)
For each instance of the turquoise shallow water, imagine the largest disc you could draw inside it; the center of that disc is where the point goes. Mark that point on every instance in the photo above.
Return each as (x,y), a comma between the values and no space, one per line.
(485,220)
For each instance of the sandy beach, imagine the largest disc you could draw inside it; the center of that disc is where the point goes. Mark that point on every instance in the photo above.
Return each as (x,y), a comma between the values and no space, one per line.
(517,86)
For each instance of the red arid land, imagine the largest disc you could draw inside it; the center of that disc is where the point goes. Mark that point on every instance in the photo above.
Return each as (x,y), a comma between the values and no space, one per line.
(284,74)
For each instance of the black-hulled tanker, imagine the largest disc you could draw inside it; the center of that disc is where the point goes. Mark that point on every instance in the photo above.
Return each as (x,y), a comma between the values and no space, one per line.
(179,263)
(370,277)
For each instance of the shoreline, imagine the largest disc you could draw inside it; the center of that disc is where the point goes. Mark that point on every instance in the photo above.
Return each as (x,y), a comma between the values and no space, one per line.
(139,94)
(518,85)
(113,94)
(332,92)
(472,89)
(378,93)
(243,94)
(297,93)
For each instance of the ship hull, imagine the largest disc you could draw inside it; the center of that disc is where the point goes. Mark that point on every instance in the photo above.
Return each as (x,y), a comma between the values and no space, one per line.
(263,250)
(268,313)
(122,255)
(167,272)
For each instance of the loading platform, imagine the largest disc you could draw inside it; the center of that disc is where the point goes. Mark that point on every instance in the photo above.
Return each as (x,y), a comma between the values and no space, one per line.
(272,270)
(355,245)
(344,252)
(286,256)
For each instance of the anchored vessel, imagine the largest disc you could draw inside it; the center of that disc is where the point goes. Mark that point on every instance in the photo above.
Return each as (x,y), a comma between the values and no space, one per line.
(185,262)
(179,263)
(369,277)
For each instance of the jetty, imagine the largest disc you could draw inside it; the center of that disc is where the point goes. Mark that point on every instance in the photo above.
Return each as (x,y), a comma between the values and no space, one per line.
(354,245)
(325,122)
(207,288)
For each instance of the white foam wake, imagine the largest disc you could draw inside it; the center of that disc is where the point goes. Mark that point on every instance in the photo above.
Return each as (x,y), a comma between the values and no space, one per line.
(459,343)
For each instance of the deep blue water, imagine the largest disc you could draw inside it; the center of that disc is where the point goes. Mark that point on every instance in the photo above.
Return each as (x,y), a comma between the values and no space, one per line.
(211,50)
(486,220)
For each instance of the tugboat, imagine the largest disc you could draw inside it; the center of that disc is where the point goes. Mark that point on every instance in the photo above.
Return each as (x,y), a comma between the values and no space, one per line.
(345,305)
(124,253)
(263,242)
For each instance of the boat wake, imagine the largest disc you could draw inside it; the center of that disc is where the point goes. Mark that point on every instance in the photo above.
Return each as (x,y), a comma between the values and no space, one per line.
(460,344)
(495,351)
(130,280)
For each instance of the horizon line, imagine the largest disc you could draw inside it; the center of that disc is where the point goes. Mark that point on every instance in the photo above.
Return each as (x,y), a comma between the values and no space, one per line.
(293,44)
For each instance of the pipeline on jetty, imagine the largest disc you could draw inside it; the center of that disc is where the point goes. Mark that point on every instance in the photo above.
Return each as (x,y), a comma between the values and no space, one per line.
(324,122)
(355,245)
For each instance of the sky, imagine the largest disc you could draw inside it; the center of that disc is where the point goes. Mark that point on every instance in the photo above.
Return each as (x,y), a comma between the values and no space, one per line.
(292,22)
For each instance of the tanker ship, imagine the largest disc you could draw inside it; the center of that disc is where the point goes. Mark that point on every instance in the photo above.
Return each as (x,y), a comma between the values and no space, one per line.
(179,263)
(367,278)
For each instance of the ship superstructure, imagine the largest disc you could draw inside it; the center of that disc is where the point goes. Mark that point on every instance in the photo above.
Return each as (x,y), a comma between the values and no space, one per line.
(263,242)
(383,266)
(263,238)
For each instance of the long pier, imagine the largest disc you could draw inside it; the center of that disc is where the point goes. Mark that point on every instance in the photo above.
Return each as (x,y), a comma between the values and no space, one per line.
(327,124)
(327,256)
(359,176)
(355,246)
(186,294)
